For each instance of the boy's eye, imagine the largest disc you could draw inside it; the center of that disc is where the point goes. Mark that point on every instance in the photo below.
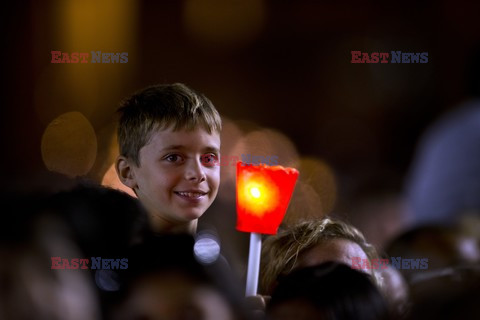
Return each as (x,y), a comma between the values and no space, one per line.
(209,159)
(173,158)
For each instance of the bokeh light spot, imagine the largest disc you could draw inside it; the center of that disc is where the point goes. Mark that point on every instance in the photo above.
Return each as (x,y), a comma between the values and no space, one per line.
(69,145)
(206,248)
(315,193)
(268,146)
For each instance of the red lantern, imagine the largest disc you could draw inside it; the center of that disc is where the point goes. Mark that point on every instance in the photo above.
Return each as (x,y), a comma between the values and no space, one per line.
(263,194)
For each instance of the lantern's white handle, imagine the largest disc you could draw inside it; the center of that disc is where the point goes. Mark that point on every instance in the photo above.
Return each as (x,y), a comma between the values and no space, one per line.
(253,264)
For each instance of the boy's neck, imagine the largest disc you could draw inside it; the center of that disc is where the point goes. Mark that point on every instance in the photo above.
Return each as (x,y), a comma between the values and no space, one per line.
(163,226)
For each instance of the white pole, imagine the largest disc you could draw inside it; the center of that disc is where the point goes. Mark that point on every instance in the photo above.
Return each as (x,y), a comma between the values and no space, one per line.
(253,264)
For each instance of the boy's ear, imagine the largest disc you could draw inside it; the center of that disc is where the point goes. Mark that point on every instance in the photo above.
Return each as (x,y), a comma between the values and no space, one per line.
(125,172)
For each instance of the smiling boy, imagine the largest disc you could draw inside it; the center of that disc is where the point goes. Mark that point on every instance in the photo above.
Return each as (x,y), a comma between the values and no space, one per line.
(169,139)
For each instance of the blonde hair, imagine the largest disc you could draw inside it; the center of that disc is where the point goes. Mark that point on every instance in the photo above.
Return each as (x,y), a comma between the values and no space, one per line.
(280,252)
(159,107)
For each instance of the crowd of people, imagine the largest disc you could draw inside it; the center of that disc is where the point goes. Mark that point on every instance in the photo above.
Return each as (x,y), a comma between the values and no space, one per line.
(97,253)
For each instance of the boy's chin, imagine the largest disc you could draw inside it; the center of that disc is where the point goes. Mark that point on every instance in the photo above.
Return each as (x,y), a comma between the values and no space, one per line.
(192,214)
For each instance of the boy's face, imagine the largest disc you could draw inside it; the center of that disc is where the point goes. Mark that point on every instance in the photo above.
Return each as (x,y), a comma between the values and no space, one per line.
(173,180)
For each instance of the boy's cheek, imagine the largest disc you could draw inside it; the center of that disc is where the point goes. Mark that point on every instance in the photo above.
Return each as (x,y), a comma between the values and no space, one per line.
(215,179)
(217,183)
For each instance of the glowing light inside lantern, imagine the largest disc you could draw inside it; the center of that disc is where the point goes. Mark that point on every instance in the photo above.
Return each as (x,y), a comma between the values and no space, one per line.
(263,194)
(258,193)
(255,192)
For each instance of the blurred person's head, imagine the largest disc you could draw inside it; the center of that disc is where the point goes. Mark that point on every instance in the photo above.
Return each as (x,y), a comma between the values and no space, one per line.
(309,243)
(30,288)
(169,139)
(395,290)
(443,183)
(441,246)
(330,291)
(165,281)
(448,294)
(105,222)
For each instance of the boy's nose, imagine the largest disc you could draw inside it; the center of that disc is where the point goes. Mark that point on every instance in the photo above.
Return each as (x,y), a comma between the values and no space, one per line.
(195,171)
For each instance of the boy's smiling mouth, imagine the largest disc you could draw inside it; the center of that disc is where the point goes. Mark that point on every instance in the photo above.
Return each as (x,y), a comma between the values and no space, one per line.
(192,195)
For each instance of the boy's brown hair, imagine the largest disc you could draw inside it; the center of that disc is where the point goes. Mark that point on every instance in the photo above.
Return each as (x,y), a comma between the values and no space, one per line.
(280,252)
(160,107)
